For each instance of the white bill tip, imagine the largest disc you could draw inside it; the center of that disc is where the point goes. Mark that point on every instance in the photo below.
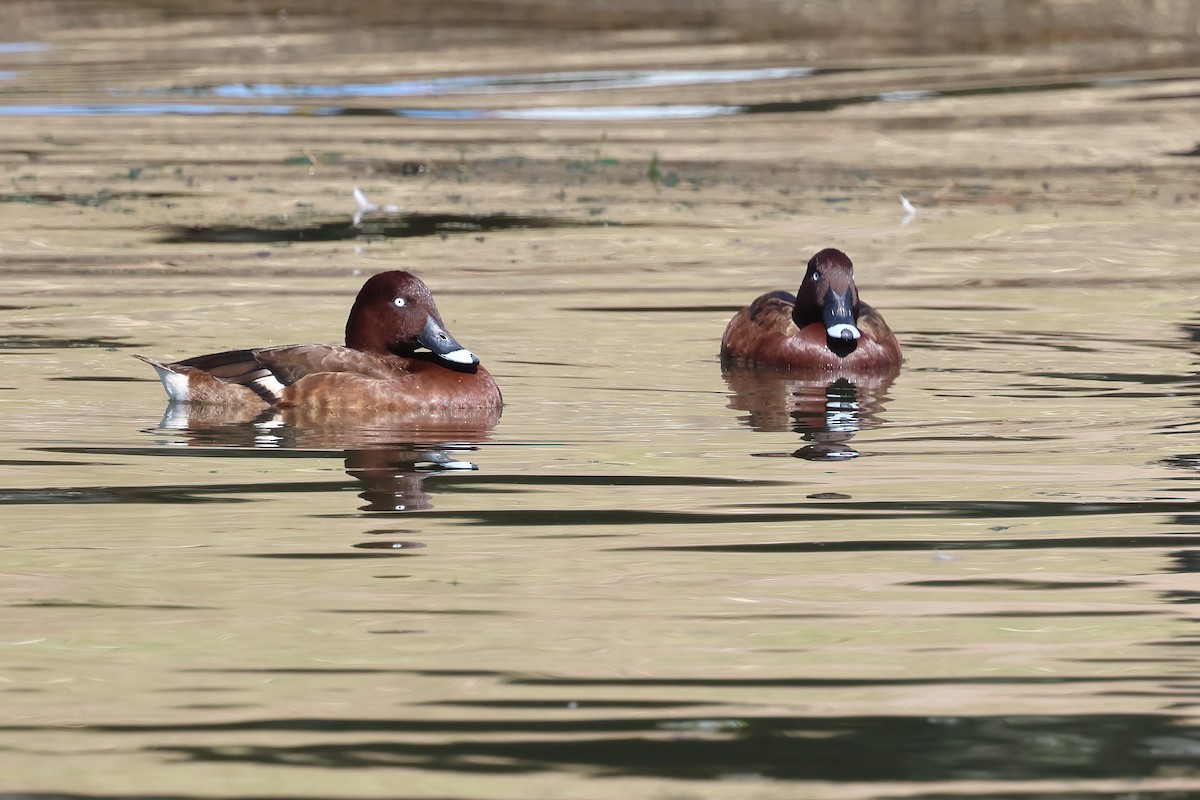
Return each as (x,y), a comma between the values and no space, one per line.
(843,331)
(460,356)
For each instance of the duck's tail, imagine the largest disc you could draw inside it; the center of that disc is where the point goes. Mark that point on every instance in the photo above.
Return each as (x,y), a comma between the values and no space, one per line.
(175,383)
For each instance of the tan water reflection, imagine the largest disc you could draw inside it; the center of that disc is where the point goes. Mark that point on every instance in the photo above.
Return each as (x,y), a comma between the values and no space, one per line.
(625,597)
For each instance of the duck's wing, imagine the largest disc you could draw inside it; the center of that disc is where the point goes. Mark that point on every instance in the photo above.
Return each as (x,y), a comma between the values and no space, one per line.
(764,321)
(233,366)
(871,322)
(773,311)
(229,378)
(290,363)
(268,371)
(239,367)
(247,377)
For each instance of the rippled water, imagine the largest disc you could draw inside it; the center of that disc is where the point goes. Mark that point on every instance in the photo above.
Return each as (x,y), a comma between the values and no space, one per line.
(648,576)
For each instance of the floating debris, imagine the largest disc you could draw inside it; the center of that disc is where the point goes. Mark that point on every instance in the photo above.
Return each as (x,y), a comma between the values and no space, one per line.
(366,207)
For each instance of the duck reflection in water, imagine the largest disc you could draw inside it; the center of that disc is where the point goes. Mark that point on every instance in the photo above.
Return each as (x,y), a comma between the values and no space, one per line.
(394,479)
(391,455)
(825,410)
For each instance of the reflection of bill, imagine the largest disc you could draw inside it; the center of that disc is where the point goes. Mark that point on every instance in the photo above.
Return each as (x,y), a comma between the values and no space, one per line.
(394,480)
(826,410)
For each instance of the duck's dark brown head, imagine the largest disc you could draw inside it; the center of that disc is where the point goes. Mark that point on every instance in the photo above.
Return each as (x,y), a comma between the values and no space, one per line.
(394,313)
(828,295)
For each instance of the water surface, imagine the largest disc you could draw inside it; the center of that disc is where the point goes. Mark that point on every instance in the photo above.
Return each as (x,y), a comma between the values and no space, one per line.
(647,576)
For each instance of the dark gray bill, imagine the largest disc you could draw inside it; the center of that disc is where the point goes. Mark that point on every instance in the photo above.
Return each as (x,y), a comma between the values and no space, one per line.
(444,346)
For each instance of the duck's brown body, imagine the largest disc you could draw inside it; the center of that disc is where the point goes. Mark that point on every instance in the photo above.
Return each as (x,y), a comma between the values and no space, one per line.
(824,327)
(381,366)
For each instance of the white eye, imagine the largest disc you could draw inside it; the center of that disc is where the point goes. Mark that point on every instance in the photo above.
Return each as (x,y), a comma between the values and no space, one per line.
(399,302)
(816,275)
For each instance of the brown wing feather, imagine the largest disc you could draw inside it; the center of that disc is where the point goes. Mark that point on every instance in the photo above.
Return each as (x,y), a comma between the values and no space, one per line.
(290,363)
(234,366)
(239,367)
(871,322)
(266,370)
(773,311)
(768,318)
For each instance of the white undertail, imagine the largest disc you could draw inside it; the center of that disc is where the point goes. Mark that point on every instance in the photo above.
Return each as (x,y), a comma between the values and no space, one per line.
(175,383)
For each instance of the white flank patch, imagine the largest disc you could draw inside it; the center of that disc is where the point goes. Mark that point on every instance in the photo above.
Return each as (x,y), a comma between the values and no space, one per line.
(460,356)
(838,331)
(270,385)
(175,384)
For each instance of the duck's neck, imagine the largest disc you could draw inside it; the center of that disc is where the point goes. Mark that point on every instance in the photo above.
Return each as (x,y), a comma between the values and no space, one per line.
(365,337)
(806,313)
